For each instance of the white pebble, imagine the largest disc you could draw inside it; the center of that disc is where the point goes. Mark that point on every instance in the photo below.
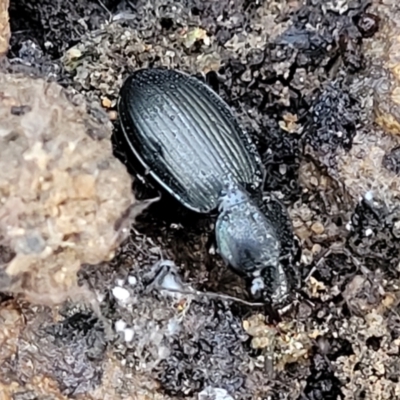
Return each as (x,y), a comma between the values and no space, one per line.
(120,293)
(282,169)
(120,325)
(128,334)
(256,286)
(214,394)
(368,232)
(132,280)
(369,196)
(120,282)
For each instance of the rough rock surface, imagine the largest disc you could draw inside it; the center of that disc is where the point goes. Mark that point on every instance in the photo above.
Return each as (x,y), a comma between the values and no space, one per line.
(63,194)
(4,27)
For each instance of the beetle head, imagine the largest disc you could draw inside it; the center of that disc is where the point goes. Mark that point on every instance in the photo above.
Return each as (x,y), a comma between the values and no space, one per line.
(249,243)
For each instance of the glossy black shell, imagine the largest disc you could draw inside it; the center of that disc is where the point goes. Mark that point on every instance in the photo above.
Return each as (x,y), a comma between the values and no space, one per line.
(185,136)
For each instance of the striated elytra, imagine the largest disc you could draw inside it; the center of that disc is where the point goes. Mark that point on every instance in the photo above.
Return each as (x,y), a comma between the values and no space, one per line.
(188,140)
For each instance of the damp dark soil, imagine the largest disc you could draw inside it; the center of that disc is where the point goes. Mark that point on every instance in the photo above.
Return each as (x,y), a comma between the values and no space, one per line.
(294,73)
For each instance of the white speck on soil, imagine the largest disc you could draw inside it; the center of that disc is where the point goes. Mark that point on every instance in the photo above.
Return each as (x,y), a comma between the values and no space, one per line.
(128,334)
(120,293)
(120,325)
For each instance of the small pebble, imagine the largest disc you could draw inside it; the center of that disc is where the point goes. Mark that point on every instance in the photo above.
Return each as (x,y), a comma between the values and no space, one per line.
(369,196)
(316,248)
(211,393)
(212,250)
(113,115)
(317,228)
(368,232)
(120,325)
(128,334)
(120,293)
(132,280)
(106,102)
(74,53)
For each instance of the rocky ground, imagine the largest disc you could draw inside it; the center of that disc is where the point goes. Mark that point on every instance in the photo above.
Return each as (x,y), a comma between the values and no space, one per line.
(316,83)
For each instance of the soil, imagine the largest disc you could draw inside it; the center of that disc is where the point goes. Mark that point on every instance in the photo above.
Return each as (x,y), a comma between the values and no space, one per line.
(298,75)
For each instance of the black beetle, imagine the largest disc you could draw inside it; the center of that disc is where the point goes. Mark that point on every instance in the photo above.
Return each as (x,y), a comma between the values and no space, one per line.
(188,140)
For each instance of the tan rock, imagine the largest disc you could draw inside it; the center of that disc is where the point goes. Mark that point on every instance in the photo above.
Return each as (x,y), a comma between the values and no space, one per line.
(4,27)
(63,195)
